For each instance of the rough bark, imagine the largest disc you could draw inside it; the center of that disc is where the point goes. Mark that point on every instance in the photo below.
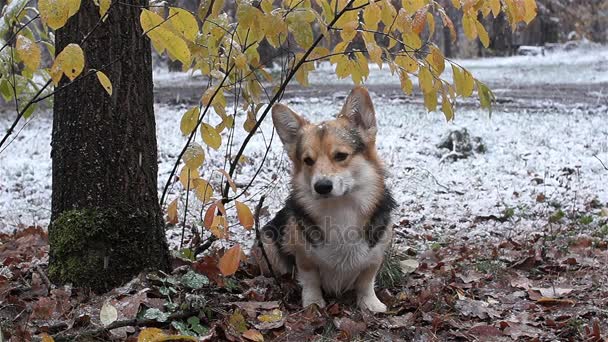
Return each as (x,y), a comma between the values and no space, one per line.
(107,224)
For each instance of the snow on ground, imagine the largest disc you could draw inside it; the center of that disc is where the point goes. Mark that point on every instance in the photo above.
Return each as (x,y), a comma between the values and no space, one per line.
(587,64)
(529,153)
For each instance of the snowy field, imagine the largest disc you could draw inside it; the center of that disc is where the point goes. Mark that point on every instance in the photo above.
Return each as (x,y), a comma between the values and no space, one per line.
(549,153)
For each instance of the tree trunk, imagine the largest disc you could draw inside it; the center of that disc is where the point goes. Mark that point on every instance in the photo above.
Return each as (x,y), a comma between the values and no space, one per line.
(106,222)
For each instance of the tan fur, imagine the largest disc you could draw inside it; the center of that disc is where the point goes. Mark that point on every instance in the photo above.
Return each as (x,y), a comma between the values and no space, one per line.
(344,261)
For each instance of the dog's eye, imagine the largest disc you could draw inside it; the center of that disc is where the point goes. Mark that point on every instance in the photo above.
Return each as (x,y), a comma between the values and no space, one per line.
(309,161)
(340,156)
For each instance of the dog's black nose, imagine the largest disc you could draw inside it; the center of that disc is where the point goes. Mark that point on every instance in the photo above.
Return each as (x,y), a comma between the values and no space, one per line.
(324,186)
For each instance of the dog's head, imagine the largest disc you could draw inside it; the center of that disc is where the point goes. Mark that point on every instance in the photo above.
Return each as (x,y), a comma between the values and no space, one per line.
(334,158)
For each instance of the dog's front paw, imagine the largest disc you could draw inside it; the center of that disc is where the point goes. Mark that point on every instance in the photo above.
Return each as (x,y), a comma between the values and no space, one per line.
(371,303)
(313,298)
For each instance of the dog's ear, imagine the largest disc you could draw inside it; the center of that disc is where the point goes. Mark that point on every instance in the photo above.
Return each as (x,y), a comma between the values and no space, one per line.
(287,123)
(359,110)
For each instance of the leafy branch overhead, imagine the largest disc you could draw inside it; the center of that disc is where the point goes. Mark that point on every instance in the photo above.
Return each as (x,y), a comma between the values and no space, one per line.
(222,41)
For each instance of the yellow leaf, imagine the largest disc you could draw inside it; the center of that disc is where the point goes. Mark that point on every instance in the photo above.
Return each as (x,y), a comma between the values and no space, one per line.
(468,83)
(495,5)
(412,40)
(531,9)
(240,61)
(54,13)
(430,100)
(266,6)
(229,262)
(188,174)
(163,39)
(218,6)
(272,316)
(412,6)
(375,53)
(73,7)
(46,337)
(189,120)
(219,227)
(483,34)
(486,97)
(105,82)
(300,28)
(436,60)
(407,63)
(183,22)
(194,156)
(253,335)
(29,52)
(406,83)
(371,16)
(70,62)
(458,79)
(469,27)
(250,122)
(431,23)
(203,190)
(457,3)
(447,109)
(172,213)
(210,136)
(244,214)
(104,6)
(425,79)
(150,335)
(349,31)
(388,14)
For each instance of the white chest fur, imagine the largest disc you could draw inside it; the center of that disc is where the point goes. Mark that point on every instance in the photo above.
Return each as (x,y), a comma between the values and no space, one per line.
(344,252)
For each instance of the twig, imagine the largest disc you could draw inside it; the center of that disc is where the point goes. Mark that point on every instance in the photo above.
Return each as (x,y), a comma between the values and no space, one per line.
(46,280)
(181,241)
(601,162)
(258,237)
(22,112)
(136,322)
(277,95)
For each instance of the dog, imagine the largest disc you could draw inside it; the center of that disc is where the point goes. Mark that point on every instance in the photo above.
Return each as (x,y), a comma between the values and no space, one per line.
(336,224)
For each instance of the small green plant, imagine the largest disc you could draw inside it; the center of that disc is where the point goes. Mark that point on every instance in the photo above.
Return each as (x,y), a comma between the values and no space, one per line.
(508,213)
(586,219)
(391,273)
(602,232)
(557,216)
(489,266)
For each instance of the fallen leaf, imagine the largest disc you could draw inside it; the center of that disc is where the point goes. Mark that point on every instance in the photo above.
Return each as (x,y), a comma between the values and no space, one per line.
(398,322)
(108,314)
(237,321)
(485,331)
(555,301)
(252,307)
(553,291)
(150,335)
(476,308)
(253,335)
(350,327)
(409,265)
(271,320)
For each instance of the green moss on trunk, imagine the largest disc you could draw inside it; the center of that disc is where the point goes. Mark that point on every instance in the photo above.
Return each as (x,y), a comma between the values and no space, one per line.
(103,248)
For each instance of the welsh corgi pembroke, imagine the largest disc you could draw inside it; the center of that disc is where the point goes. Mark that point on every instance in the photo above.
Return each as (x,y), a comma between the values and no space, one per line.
(336,224)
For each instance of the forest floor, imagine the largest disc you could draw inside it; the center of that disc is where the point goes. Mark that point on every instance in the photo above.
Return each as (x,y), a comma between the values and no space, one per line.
(508,244)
